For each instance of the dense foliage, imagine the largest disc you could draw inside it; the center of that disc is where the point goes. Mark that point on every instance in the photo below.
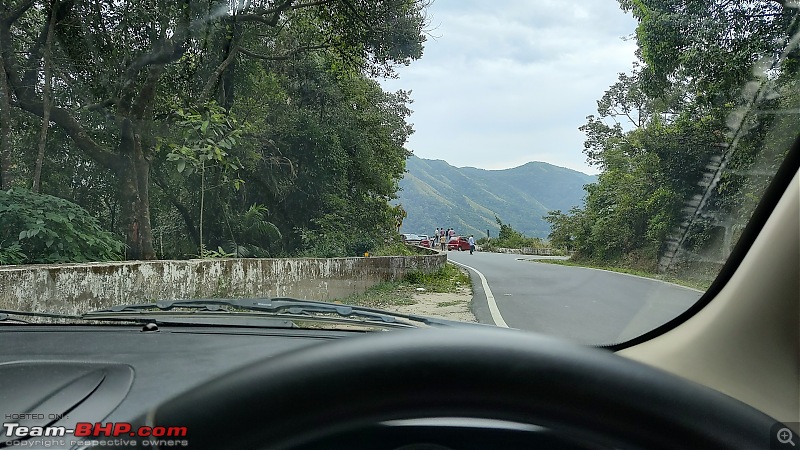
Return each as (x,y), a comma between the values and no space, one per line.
(40,228)
(211,127)
(508,237)
(688,140)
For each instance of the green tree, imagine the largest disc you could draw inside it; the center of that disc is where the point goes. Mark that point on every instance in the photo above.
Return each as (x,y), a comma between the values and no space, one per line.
(205,138)
(677,139)
(121,61)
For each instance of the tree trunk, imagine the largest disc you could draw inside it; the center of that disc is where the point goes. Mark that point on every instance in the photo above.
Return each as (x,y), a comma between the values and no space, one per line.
(202,203)
(134,175)
(48,49)
(6,164)
(188,220)
(143,184)
(230,49)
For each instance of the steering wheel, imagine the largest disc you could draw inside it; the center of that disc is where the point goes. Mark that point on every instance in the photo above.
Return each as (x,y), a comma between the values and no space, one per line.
(316,392)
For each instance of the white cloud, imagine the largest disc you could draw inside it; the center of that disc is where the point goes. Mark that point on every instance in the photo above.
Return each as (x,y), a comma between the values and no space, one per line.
(506,82)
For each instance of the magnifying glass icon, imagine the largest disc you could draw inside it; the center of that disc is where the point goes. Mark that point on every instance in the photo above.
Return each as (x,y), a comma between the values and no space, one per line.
(785,436)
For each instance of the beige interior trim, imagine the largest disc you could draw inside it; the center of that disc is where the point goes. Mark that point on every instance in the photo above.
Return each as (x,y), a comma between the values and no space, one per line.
(746,341)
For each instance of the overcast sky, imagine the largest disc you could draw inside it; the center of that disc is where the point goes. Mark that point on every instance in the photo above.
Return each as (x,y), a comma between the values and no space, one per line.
(505,82)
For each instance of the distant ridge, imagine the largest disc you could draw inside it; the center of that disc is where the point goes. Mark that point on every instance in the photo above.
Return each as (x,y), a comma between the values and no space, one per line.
(436,194)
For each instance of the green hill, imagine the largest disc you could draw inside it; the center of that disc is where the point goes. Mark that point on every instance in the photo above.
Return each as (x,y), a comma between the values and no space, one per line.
(436,194)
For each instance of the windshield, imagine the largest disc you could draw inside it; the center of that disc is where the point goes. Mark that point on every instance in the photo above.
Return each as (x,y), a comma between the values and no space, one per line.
(580,169)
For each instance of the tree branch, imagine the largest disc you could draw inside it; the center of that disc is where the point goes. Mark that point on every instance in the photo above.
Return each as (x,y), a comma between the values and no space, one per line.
(170,52)
(101,105)
(165,51)
(90,104)
(286,55)
(15,14)
(212,80)
(260,15)
(275,13)
(357,15)
(64,119)
(147,92)
(31,76)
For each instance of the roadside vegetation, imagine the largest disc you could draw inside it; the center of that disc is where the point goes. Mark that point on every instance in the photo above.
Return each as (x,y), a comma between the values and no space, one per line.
(508,237)
(700,284)
(664,132)
(186,133)
(39,228)
(448,279)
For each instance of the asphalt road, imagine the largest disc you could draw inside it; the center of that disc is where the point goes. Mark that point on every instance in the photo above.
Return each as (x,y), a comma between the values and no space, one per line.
(584,305)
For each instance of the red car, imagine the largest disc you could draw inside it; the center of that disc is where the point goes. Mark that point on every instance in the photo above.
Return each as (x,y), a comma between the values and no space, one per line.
(459,243)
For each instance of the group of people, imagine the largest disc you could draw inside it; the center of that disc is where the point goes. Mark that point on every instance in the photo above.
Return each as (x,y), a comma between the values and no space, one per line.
(442,237)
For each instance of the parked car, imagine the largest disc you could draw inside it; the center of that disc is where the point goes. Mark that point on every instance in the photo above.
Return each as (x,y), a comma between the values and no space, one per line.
(411,239)
(459,243)
(423,240)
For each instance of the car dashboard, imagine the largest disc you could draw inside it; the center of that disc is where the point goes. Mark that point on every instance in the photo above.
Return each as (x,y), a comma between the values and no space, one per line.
(64,375)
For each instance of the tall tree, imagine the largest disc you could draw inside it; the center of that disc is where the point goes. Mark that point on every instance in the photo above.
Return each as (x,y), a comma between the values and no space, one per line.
(679,139)
(117,61)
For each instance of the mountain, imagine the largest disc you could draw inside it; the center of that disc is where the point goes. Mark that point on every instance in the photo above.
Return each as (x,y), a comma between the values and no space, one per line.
(436,194)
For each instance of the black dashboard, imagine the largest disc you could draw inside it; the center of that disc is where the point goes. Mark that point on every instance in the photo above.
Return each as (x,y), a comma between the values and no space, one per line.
(57,375)
(60,376)
(162,363)
(249,387)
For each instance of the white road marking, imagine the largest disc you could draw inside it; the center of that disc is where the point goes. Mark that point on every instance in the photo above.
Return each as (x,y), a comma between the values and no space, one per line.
(623,273)
(493,309)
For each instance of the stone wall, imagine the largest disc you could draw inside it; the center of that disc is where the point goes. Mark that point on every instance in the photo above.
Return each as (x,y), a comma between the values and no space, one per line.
(76,288)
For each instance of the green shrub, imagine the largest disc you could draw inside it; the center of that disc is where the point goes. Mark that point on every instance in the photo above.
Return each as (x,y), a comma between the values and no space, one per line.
(11,254)
(509,238)
(447,279)
(40,228)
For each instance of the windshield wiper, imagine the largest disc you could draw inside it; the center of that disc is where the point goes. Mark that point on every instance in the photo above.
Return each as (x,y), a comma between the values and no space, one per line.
(7,315)
(279,306)
(247,312)
(157,317)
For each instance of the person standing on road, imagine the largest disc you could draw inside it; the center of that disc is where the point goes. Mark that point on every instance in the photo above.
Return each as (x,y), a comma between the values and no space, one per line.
(443,242)
(471,244)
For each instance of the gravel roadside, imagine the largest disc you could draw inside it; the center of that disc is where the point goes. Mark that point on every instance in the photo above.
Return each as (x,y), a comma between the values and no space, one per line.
(449,305)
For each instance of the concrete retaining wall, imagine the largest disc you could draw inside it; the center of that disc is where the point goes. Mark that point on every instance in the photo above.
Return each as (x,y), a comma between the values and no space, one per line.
(75,288)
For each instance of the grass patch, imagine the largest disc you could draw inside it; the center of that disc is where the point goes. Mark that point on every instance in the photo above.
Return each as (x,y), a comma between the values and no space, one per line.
(656,276)
(446,304)
(392,293)
(398,293)
(447,279)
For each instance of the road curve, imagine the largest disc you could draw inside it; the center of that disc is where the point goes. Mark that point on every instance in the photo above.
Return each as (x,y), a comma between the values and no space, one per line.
(584,305)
